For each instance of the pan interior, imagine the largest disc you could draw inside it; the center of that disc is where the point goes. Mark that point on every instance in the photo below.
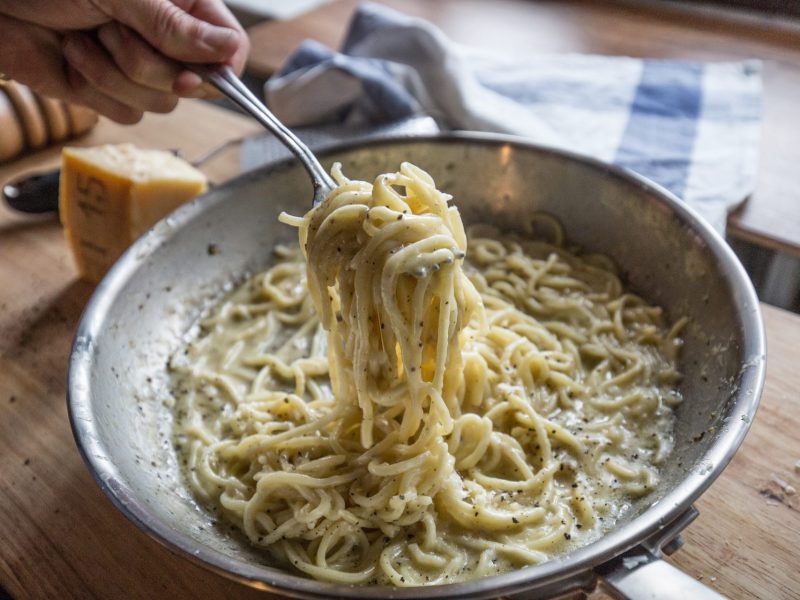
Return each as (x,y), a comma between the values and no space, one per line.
(161,287)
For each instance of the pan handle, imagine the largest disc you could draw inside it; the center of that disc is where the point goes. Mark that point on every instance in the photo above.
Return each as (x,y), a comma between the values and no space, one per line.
(641,575)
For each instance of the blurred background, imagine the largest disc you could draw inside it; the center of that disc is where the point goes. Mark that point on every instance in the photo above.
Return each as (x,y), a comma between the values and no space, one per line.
(765,230)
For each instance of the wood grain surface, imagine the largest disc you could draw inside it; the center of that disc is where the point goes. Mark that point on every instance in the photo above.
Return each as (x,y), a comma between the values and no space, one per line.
(770,219)
(61,538)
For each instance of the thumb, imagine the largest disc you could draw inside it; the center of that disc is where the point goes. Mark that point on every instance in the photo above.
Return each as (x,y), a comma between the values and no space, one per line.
(176,33)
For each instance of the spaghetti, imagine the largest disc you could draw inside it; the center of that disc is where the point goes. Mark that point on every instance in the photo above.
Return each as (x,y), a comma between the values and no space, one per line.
(382,407)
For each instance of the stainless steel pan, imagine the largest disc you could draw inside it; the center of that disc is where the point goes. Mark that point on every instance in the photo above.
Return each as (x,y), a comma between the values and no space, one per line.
(118,395)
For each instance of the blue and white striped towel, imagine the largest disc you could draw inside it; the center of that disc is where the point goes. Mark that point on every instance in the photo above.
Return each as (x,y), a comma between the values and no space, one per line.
(692,127)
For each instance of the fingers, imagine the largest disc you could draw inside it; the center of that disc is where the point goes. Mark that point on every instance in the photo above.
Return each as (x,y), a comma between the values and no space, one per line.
(83,92)
(137,59)
(190,85)
(33,55)
(146,66)
(30,54)
(177,33)
(96,69)
(217,13)
(58,16)
(125,73)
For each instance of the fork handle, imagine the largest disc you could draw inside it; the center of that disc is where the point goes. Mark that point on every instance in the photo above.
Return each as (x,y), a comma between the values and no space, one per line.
(226,81)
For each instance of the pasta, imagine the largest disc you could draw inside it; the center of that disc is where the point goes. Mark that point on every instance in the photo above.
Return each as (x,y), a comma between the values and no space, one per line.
(382,406)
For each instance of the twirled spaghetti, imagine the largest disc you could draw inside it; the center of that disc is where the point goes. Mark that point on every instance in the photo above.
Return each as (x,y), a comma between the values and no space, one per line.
(384,407)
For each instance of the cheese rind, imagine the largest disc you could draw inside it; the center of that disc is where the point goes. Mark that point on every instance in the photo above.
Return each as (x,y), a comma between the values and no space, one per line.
(110,195)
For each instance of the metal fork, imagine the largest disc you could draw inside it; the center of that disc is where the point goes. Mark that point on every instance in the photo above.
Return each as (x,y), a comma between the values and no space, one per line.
(222,78)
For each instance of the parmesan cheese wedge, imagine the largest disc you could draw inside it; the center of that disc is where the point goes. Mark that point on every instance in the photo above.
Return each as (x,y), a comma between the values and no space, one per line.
(110,195)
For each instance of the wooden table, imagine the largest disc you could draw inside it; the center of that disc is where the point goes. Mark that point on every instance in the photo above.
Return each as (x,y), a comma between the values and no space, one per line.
(771,217)
(61,538)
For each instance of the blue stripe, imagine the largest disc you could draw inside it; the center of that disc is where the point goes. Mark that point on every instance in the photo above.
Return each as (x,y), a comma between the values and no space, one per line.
(662,127)
(389,99)
(310,53)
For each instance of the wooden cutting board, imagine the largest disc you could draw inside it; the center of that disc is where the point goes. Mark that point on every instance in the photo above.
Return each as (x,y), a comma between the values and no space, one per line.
(60,537)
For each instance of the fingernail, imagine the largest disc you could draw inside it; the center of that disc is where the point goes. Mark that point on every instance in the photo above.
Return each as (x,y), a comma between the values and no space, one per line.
(220,38)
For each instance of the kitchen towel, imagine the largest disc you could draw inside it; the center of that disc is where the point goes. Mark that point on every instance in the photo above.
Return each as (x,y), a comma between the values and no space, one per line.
(692,127)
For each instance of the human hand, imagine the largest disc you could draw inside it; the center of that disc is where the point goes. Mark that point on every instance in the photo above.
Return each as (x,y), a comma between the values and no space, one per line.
(120,57)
